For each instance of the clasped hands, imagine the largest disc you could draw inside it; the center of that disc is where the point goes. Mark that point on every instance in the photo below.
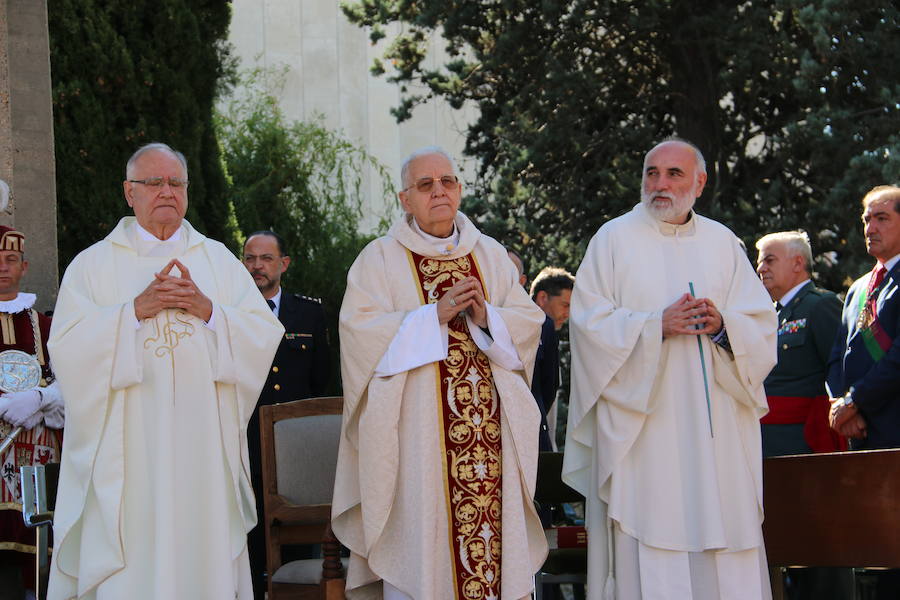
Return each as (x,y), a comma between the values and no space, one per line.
(691,316)
(846,420)
(170,291)
(466,295)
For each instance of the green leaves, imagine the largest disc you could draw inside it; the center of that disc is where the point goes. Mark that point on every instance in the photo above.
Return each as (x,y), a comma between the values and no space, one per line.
(302,181)
(125,74)
(794,105)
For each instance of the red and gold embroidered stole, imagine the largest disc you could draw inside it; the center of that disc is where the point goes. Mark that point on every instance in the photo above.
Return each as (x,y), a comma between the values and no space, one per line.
(470,421)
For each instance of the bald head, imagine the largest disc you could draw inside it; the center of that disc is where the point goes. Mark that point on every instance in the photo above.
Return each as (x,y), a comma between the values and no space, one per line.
(699,161)
(154,147)
(520,266)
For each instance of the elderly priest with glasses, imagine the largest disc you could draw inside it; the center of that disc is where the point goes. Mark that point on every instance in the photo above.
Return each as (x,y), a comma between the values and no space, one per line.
(161,344)
(438,454)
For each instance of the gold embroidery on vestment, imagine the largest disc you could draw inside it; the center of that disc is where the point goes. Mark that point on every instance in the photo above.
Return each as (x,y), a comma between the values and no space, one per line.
(470,441)
(169,327)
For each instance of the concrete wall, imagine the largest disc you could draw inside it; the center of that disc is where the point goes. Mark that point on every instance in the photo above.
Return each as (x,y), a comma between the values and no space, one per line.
(328,62)
(26,140)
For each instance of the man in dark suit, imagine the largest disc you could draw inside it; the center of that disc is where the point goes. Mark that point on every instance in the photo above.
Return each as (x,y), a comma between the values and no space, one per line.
(300,368)
(552,291)
(864,368)
(797,422)
(808,320)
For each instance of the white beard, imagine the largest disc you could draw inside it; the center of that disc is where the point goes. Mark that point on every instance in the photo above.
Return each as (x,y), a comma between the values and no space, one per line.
(668,211)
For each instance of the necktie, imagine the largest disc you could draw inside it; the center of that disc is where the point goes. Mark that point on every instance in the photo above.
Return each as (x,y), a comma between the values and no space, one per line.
(778,307)
(870,311)
(271,304)
(877,278)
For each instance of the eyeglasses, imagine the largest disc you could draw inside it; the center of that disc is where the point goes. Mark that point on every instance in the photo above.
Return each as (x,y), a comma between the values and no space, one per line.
(175,183)
(424,185)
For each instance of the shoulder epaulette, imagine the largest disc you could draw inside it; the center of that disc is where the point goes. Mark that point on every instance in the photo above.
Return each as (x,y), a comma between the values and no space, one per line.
(823,292)
(817,291)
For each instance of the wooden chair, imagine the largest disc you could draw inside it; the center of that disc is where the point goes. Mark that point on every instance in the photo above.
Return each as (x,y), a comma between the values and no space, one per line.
(832,510)
(299,443)
(563,565)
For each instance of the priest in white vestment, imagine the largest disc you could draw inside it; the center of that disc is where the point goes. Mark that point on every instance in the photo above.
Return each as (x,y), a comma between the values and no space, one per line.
(161,343)
(672,336)
(438,456)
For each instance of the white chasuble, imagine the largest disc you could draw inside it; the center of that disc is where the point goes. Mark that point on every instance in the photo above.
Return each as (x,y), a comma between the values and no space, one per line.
(155,498)
(391,503)
(656,459)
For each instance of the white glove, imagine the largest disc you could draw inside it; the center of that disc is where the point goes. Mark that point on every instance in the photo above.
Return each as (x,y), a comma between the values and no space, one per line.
(52,407)
(21,409)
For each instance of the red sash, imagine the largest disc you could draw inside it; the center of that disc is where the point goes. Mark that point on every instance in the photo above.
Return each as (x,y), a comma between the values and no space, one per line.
(470,421)
(812,411)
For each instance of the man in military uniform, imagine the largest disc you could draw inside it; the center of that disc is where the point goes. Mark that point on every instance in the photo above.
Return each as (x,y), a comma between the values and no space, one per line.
(797,422)
(808,320)
(300,368)
(30,401)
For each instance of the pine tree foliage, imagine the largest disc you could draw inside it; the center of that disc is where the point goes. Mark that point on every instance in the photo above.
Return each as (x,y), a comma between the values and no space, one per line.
(126,73)
(795,105)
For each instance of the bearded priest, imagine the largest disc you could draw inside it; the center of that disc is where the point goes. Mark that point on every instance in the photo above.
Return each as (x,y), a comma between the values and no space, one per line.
(438,454)
(672,337)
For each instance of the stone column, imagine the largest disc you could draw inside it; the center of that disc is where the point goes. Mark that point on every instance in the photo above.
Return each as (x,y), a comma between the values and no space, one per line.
(26,141)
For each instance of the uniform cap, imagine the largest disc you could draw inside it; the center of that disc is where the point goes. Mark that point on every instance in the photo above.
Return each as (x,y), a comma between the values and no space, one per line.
(10,239)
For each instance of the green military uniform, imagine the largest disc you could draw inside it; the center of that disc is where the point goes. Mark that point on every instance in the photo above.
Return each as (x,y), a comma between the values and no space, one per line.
(806,330)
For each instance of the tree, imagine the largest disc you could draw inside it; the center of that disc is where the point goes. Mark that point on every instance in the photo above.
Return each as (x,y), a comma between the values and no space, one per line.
(302,181)
(126,73)
(793,103)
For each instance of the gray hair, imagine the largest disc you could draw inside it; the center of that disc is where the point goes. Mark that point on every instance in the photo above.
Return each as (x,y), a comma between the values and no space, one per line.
(795,242)
(426,151)
(701,162)
(154,147)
